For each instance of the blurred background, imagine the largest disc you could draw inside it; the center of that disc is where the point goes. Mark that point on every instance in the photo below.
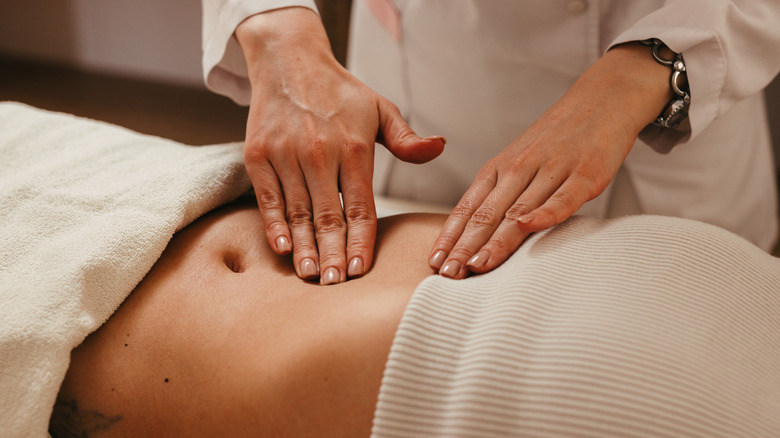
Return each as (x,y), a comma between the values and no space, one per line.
(138,64)
(133,63)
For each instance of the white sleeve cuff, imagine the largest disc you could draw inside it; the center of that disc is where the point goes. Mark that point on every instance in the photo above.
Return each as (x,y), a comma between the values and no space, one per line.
(224,66)
(730,51)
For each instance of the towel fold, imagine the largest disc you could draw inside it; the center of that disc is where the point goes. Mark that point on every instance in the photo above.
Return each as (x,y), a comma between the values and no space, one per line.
(86,209)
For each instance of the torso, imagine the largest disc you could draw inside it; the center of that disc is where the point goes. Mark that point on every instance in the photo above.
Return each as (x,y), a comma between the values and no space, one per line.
(221,338)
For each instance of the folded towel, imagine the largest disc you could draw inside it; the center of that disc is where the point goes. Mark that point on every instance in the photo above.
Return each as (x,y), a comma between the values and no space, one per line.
(86,209)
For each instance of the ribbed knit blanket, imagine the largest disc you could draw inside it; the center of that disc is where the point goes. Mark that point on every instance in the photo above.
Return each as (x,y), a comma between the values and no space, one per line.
(631,327)
(86,209)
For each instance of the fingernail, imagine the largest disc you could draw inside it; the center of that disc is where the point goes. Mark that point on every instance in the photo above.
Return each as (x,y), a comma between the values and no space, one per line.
(526,218)
(283,245)
(308,269)
(355,267)
(437,259)
(479,259)
(331,276)
(437,137)
(450,269)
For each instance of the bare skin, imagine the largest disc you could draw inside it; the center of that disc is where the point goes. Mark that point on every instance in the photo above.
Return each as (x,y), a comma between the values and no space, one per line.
(222,339)
(320,139)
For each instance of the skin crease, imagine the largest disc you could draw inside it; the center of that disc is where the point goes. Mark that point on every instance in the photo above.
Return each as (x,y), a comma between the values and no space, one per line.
(222,339)
(306,138)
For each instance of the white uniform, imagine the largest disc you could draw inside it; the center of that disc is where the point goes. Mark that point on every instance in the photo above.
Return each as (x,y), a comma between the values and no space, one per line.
(480,72)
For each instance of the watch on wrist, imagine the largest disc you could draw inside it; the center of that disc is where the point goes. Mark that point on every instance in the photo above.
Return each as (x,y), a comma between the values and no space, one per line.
(677,109)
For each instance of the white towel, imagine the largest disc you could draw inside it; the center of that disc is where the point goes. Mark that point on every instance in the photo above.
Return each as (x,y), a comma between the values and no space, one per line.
(86,209)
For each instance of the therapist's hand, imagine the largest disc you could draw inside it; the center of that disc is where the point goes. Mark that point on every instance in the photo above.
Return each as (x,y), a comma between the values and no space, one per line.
(310,134)
(566,158)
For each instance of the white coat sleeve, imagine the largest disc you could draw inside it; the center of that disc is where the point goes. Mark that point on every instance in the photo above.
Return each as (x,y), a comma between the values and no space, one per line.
(224,66)
(731,50)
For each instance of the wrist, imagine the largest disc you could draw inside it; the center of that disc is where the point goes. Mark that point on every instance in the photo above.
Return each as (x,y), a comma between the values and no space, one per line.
(677,109)
(641,85)
(282,32)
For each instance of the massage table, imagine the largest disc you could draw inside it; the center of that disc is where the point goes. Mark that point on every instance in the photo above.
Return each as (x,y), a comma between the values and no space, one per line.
(637,326)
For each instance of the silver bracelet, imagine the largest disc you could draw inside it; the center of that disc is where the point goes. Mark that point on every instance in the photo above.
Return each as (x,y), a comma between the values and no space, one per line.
(677,109)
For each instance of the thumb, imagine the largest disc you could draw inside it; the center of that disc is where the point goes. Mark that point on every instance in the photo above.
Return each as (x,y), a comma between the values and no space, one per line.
(401,141)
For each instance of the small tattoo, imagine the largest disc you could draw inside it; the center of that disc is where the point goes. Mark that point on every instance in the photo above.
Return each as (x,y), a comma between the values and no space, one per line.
(69,420)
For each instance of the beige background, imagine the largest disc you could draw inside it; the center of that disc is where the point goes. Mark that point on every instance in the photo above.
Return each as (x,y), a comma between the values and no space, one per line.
(153,40)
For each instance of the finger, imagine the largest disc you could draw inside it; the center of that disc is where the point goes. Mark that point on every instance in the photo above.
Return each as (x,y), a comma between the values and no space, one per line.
(543,185)
(566,200)
(501,245)
(481,226)
(270,201)
(401,140)
(330,229)
(359,209)
(300,219)
(511,191)
(512,232)
(459,217)
(289,185)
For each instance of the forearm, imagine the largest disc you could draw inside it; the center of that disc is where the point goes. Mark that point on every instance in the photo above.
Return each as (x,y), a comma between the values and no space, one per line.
(625,84)
(224,67)
(291,35)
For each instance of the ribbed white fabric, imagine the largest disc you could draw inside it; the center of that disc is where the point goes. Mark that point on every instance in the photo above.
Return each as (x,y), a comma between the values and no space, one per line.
(634,327)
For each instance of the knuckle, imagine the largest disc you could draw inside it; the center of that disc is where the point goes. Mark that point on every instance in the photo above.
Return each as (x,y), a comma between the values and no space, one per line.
(586,186)
(357,149)
(329,221)
(490,166)
(517,210)
(446,241)
(359,213)
(590,182)
(562,207)
(516,167)
(551,215)
(317,151)
(463,210)
(521,161)
(255,150)
(359,247)
(268,200)
(488,174)
(299,217)
(274,227)
(484,216)
(330,257)
(557,211)
(562,198)
(390,106)
(304,249)
(499,242)
(596,187)
(460,252)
